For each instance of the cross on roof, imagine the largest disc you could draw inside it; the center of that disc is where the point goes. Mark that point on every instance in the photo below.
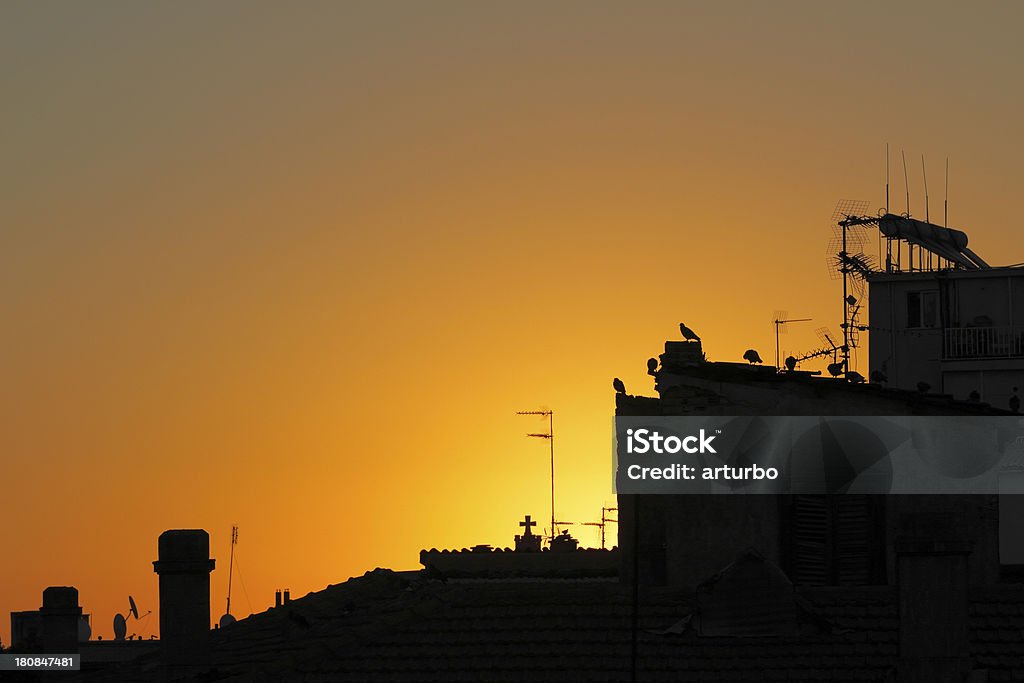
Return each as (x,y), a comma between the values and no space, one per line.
(528,523)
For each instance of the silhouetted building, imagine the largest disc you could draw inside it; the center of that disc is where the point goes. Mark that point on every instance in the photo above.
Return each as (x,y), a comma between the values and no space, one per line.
(933,559)
(50,630)
(26,631)
(955,324)
(709,588)
(59,623)
(60,615)
(823,540)
(184,568)
(564,559)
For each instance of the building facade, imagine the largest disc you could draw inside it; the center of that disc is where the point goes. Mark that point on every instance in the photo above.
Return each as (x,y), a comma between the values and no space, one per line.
(959,331)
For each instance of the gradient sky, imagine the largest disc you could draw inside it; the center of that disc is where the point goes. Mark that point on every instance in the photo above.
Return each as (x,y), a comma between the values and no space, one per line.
(294,266)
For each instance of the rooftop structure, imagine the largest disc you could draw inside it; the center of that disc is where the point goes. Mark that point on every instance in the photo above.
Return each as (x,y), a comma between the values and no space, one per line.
(937,313)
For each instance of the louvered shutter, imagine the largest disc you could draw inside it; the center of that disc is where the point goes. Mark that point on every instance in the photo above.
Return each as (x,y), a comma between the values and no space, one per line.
(809,520)
(854,527)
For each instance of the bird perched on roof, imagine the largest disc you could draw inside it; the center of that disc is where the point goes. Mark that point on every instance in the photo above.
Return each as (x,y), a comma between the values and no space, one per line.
(688,334)
(750,355)
(835,369)
(652,366)
(878,377)
(791,363)
(855,377)
(1015,401)
(619,387)
(923,387)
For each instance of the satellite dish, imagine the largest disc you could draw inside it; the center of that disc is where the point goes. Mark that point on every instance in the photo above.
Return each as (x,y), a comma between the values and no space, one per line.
(120,627)
(135,610)
(84,630)
(227,620)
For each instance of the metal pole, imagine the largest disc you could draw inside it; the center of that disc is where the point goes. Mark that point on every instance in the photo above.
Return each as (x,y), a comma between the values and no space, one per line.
(846,331)
(777,367)
(551,431)
(635,608)
(231,565)
(550,436)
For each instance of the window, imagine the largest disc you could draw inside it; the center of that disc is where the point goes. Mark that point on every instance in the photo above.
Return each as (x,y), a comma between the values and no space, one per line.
(835,540)
(923,309)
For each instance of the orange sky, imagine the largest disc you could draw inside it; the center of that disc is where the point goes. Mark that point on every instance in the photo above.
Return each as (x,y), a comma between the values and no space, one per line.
(295,267)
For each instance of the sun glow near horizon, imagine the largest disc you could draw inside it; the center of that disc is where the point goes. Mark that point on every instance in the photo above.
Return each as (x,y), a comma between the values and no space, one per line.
(296,270)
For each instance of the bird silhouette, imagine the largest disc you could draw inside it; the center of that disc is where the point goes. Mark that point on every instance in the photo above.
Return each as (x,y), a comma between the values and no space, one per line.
(974,396)
(619,387)
(1015,402)
(750,355)
(835,369)
(855,377)
(791,363)
(923,387)
(652,366)
(878,377)
(688,334)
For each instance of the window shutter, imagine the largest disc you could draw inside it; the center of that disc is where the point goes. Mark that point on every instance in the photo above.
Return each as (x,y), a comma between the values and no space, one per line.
(853,526)
(835,541)
(810,539)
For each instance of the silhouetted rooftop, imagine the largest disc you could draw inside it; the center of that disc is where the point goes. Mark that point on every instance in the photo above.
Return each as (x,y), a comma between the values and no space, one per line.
(387,626)
(725,388)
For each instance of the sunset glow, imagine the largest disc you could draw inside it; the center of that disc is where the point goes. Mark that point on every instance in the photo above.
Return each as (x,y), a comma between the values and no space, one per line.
(296,267)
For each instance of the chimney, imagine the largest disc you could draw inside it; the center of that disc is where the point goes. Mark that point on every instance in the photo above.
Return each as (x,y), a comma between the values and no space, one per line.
(277,598)
(184,568)
(934,602)
(287,595)
(60,615)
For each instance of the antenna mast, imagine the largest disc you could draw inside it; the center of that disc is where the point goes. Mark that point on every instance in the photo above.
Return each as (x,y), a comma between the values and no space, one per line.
(887,177)
(550,436)
(906,183)
(779,321)
(848,221)
(945,199)
(231,565)
(924,174)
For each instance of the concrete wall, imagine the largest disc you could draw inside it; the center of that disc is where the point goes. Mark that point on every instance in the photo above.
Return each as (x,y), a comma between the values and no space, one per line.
(967,299)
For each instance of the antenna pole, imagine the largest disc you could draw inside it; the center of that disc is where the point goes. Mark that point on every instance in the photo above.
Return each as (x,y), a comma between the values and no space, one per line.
(777,366)
(550,436)
(231,565)
(551,443)
(906,183)
(887,177)
(779,321)
(945,199)
(924,174)
(846,315)
(906,186)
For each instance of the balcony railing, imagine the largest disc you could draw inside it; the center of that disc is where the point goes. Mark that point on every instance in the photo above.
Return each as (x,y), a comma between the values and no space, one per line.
(962,343)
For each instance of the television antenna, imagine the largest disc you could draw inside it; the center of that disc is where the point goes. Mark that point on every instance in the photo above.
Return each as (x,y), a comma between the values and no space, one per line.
(828,337)
(854,328)
(605,521)
(227,619)
(848,260)
(550,436)
(779,320)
